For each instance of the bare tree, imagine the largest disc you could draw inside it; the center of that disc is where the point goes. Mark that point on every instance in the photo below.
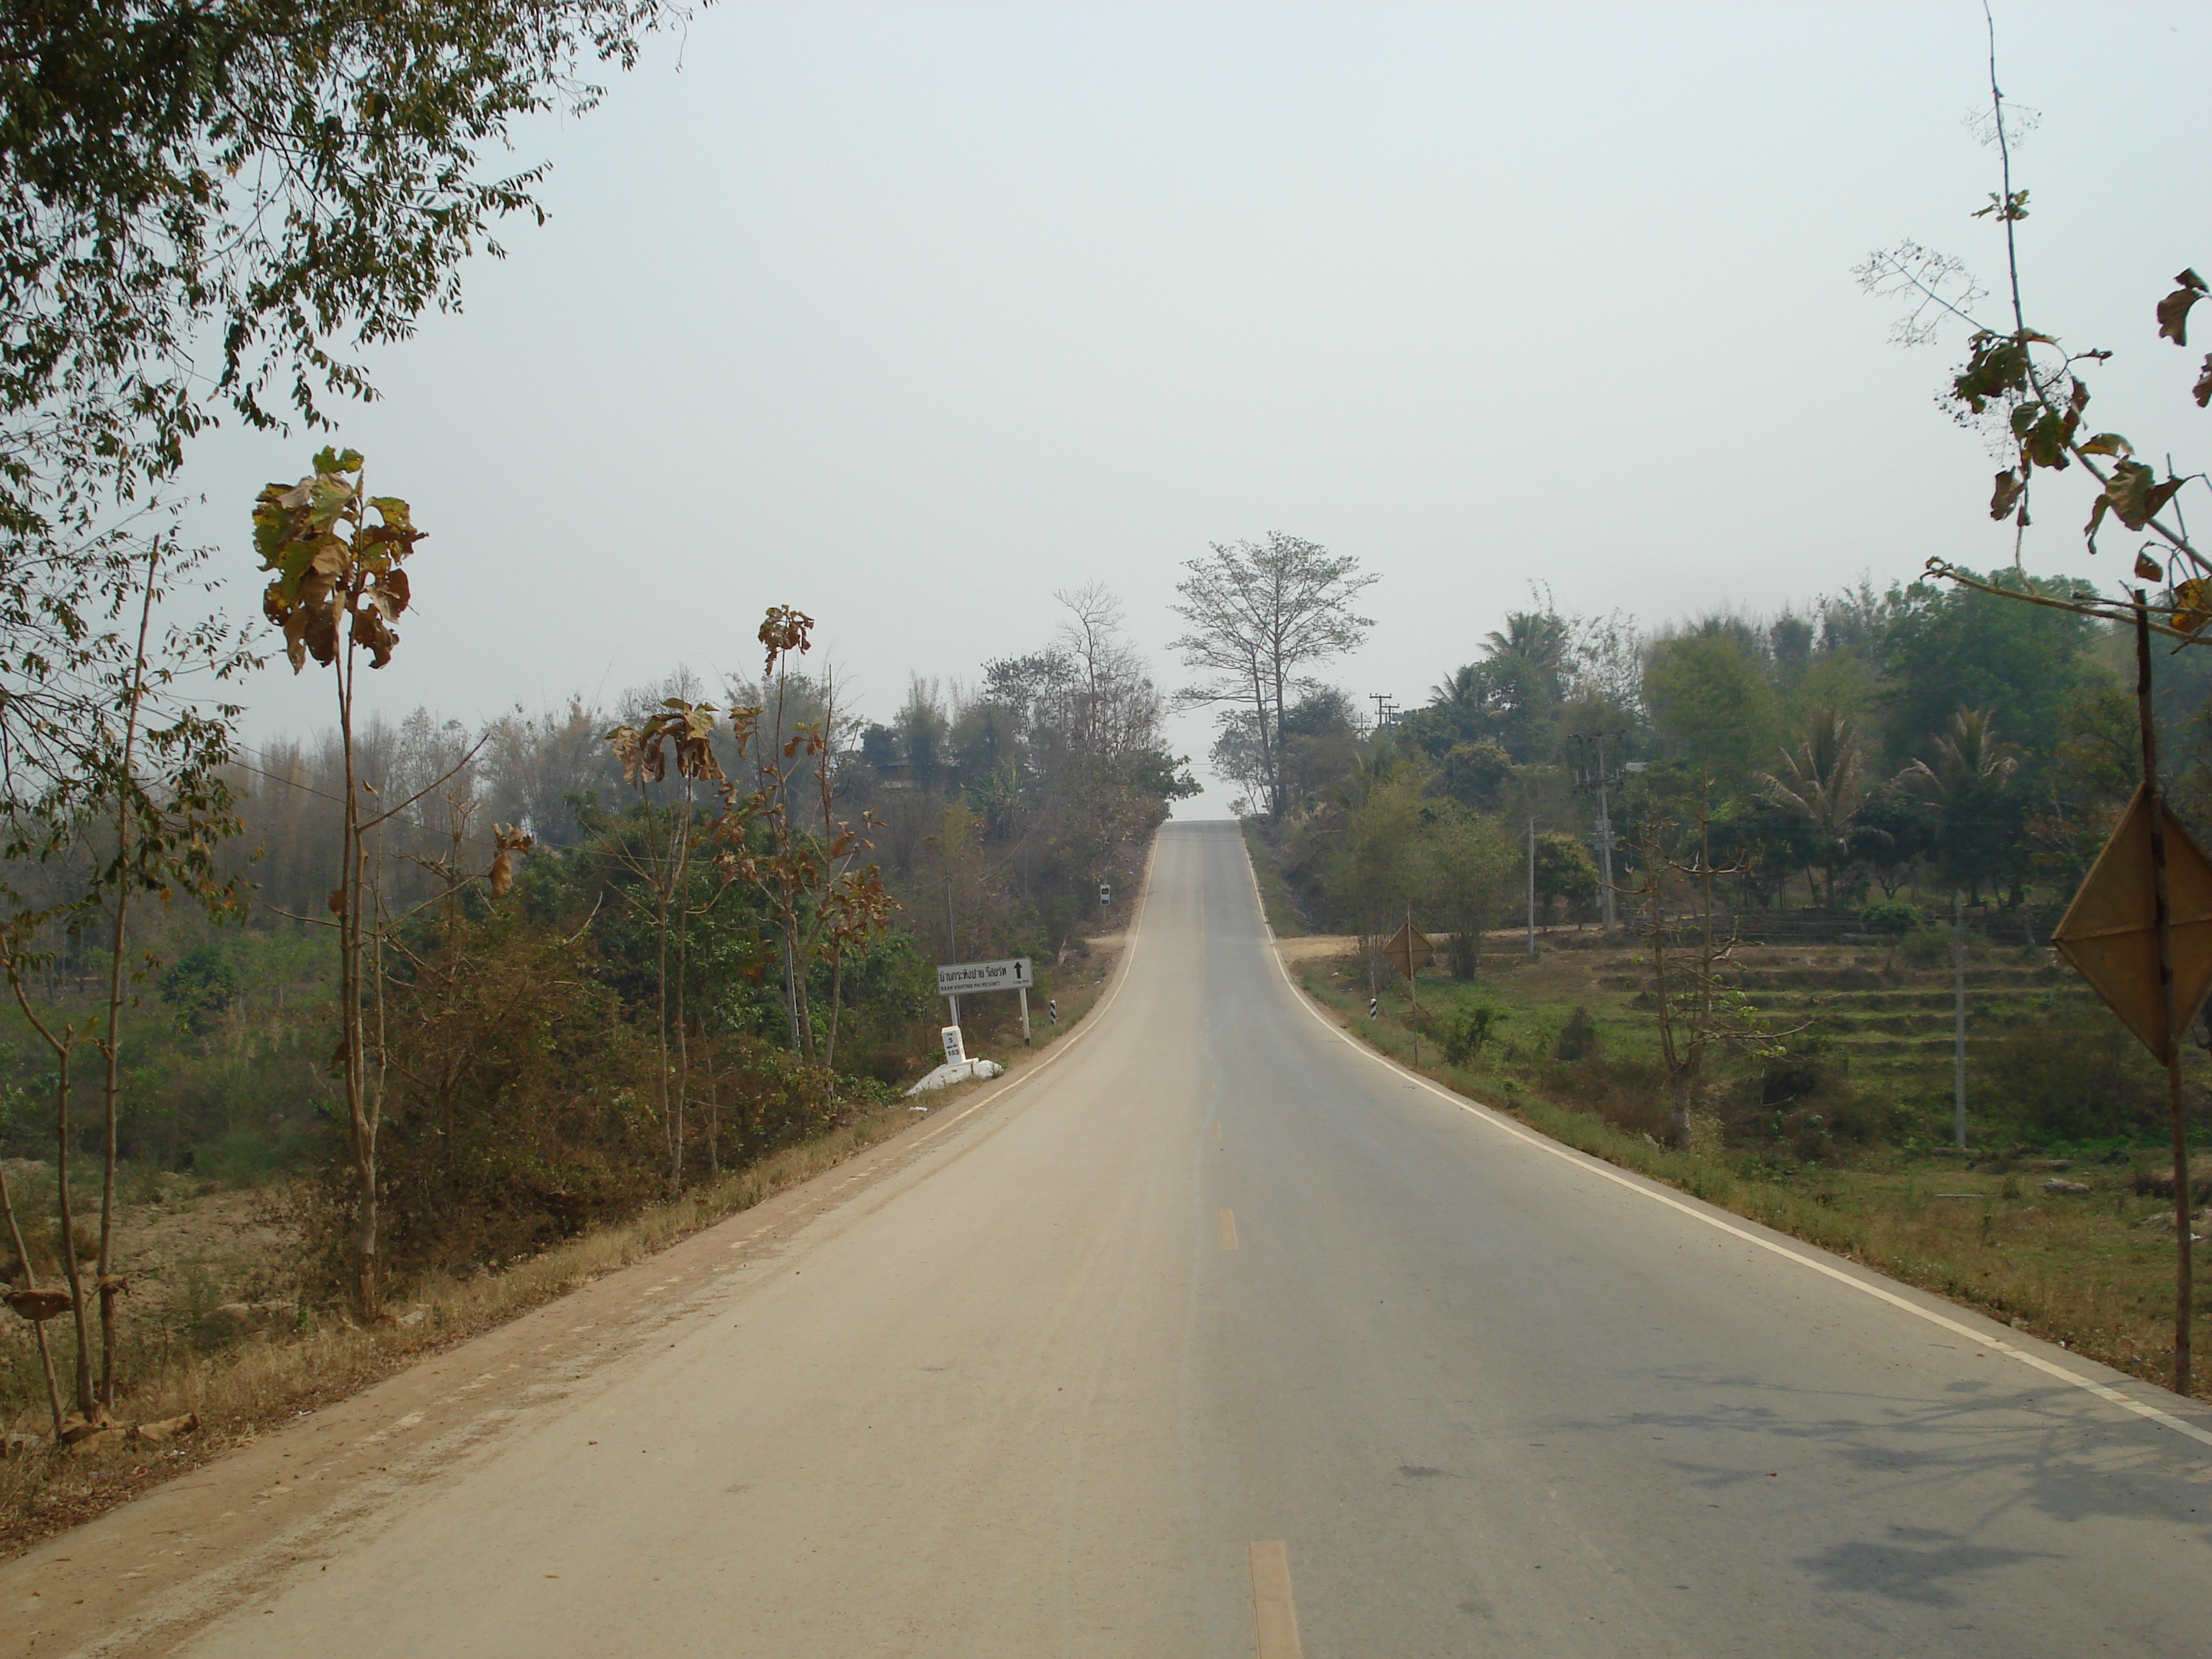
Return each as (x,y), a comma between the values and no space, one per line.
(1693,968)
(1258,615)
(1115,710)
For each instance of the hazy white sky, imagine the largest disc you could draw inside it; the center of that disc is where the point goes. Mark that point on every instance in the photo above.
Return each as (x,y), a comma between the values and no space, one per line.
(908,315)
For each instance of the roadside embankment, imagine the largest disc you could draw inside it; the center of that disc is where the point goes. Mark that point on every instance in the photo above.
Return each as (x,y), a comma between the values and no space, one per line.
(241,1382)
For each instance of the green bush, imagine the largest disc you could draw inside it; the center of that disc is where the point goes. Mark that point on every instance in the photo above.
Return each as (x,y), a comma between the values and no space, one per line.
(1578,1037)
(1892,917)
(201,985)
(2071,1080)
(1463,1035)
(1925,947)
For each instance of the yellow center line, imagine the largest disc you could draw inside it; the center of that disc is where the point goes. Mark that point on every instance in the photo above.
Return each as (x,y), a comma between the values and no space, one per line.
(1227,1219)
(1275,1618)
(1217,1133)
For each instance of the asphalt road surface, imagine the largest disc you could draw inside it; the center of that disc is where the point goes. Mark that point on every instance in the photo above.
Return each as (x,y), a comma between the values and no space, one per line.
(1220,1337)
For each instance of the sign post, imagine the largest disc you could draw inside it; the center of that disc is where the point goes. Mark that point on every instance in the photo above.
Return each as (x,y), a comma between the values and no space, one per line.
(1408,951)
(2140,931)
(956,978)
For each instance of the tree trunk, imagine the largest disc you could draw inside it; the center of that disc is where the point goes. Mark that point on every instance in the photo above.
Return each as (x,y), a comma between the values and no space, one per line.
(85,1403)
(361,1124)
(682,1050)
(1282,783)
(680,861)
(112,1048)
(31,1283)
(790,992)
(364,1241)
(1682,1093)
(806,1007)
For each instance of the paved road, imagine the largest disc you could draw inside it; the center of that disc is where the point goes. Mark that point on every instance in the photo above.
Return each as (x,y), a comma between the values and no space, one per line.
(1221,1337)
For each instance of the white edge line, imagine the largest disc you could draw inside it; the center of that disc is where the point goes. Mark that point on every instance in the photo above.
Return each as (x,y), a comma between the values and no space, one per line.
(1593,1165)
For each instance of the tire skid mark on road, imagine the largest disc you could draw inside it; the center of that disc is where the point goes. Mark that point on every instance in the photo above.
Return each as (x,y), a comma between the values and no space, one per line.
(1589,1165)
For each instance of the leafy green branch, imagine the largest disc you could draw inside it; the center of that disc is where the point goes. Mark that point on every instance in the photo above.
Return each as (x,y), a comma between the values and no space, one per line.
(2029,388)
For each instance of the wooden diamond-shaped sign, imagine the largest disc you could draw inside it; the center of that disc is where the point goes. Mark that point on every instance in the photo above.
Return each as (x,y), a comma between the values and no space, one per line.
(2110,932)
(1408,951)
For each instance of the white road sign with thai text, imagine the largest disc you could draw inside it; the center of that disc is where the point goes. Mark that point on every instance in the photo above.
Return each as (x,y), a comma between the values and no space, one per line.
(959,979)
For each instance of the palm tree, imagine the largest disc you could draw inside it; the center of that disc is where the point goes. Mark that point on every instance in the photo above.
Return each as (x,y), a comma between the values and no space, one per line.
(1971,768)
(1823,782)
(1538,638)
(1466,686)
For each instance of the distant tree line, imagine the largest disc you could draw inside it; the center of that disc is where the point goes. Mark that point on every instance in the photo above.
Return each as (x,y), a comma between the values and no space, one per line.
(598,974)
(1874,748)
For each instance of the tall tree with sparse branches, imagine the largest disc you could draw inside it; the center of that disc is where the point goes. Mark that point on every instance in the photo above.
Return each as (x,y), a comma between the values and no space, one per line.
(1260,614)
(2024,387)
(336,586)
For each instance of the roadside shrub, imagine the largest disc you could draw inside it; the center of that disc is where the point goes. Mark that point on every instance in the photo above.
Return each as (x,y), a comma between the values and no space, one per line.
(1578,1037)
(1925,947)
(780,1100)
(1803,1066)
(1892,917)
(518,1110)
(1463,1035)
(523,1107)
(1629,1094)
(2071,1078)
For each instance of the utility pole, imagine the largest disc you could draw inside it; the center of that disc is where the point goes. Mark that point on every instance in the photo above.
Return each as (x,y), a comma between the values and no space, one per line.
(1532,885)
(2184,1199)
(1413,985)
(1598,782)
(951,942)
(1959,1016)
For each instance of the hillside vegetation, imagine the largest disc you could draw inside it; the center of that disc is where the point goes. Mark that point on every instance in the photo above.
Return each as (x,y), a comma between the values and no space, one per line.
(1819,827)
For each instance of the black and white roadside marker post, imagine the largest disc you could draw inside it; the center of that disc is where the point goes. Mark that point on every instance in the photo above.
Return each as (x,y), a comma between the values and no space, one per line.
(1052,1009)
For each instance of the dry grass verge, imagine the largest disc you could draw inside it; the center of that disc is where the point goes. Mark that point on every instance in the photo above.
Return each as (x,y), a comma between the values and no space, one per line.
(1274,893)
